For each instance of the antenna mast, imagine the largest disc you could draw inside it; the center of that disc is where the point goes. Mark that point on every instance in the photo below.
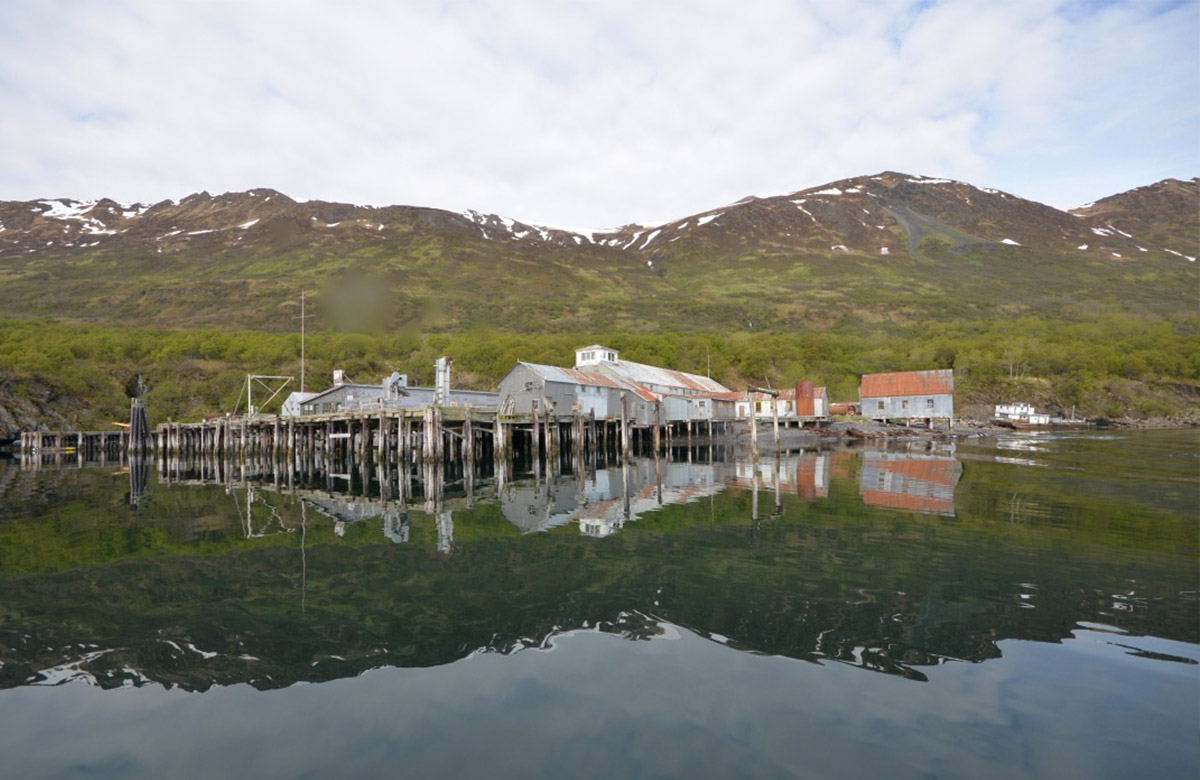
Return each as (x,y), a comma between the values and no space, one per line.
(302,341)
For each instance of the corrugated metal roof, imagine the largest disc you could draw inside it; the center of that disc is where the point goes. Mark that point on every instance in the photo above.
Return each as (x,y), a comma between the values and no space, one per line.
(935,382)
(343,386)
(573,376)
(665,377)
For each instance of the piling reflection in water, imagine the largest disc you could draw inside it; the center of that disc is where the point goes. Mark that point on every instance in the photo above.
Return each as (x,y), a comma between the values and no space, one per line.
(599,493)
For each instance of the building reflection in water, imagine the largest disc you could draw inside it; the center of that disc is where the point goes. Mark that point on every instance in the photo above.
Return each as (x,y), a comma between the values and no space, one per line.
(346,511)
(910,482)
(608,498)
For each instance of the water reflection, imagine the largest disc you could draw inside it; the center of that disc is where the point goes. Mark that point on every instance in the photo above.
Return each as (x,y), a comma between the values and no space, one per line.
(249,572)
(599,498)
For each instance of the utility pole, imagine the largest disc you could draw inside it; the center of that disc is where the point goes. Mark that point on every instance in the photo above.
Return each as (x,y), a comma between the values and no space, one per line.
(302,318)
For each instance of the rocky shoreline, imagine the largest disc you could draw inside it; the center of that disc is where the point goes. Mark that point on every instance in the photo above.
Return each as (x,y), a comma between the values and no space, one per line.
(849,432)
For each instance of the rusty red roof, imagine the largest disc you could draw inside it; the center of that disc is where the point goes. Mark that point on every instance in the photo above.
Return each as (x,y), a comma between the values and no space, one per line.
(924,504)
(935,382)
(639,390)
(664,377)
(940,471)
(730,396)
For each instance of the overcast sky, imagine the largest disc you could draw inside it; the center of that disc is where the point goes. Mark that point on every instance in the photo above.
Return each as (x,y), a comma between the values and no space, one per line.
(591,113)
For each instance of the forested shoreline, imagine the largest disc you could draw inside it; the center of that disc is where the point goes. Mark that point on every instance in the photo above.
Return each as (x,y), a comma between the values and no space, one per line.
(1109,366)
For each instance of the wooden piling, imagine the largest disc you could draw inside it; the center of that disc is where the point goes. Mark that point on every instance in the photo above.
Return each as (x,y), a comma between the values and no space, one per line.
(624,428)
(775,417)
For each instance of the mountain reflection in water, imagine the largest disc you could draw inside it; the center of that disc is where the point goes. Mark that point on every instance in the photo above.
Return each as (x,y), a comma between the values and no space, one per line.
(892,561)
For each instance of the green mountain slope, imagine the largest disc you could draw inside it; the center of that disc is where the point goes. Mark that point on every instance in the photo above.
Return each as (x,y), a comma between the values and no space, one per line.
(882,248)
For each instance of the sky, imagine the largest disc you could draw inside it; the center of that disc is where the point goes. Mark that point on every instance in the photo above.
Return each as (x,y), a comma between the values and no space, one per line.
(596,113)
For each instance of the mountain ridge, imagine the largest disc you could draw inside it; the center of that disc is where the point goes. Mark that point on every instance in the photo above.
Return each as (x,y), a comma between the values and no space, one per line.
(89,223)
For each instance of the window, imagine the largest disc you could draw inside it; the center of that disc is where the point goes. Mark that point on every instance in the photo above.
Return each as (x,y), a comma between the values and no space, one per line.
(929,403)
(904,405)
(758,406)
(880,407)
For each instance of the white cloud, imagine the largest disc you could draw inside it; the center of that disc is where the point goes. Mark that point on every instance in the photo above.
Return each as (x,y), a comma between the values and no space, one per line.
(590,113)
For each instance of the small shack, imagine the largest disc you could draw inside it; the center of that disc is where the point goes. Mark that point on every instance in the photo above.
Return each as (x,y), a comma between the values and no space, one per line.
(908,396)
(804,402)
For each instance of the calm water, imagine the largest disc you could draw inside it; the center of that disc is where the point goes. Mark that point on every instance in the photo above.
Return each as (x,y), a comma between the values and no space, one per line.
(1020,607)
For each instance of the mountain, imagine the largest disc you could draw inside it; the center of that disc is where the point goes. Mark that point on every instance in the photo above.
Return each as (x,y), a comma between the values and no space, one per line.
(892,246)
(1166,214)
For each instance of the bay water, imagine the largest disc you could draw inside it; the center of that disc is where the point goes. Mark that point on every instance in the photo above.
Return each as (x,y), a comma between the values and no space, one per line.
(1018,606)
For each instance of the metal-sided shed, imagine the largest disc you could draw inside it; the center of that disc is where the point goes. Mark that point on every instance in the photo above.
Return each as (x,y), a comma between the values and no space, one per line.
(908,395)
(713,406)
(343,398)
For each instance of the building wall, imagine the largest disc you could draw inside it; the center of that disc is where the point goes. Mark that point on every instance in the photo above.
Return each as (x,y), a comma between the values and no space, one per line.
(680,409)
(519,388)
(902,407)
(787,409)
(291,405)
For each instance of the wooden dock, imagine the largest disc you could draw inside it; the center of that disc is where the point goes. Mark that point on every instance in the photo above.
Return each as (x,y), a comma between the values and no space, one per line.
(453,435)
(90,445)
